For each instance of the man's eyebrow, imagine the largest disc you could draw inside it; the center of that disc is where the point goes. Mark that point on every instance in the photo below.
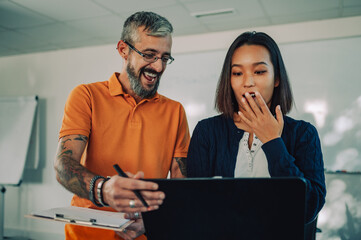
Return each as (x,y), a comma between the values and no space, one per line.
(154,51)
(254,64)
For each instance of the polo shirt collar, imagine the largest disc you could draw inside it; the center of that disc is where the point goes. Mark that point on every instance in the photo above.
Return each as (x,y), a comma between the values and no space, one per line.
(115,87)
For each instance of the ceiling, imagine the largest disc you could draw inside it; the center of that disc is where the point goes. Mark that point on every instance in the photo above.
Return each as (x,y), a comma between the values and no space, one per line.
(28,26)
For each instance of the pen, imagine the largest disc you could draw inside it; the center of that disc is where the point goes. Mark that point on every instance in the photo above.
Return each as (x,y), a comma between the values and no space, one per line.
(136,192)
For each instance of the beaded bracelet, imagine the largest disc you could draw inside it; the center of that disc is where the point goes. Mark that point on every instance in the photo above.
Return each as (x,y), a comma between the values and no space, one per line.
(100,192)
(91,190)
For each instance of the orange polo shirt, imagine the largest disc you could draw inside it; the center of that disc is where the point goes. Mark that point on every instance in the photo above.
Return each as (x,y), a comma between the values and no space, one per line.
(138,137)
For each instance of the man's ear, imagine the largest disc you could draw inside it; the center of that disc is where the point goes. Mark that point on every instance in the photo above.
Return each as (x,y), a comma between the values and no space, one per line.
(122,49)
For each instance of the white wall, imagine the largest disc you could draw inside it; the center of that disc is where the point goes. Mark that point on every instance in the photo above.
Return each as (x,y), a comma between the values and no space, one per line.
(51,76)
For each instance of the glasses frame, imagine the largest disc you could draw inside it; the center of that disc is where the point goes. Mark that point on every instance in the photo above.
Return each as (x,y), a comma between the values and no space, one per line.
(171,59)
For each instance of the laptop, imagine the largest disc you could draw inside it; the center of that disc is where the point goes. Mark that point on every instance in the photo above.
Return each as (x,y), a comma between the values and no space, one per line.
(228,208)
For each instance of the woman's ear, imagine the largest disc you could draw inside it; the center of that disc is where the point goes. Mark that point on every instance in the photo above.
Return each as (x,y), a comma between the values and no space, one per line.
(277,82)
(122,49)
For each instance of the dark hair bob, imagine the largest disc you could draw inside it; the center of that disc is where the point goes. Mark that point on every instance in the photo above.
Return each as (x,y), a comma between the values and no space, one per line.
(225,99)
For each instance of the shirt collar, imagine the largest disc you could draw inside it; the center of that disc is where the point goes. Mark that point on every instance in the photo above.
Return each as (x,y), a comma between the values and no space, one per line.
(116,88)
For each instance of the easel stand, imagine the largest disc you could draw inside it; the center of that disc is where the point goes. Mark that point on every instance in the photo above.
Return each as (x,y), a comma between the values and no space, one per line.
(2,211)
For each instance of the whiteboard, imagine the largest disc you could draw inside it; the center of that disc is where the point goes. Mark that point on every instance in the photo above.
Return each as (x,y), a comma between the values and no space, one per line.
(326,83)
(17,115)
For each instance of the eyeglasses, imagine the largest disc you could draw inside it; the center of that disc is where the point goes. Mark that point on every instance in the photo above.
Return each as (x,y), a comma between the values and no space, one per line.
(151,57)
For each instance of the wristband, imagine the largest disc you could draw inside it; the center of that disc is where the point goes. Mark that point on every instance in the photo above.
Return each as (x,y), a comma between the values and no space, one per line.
(91,190)
(100,192)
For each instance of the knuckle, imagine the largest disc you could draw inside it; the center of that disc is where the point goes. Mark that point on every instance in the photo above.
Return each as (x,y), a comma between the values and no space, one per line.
(133,184)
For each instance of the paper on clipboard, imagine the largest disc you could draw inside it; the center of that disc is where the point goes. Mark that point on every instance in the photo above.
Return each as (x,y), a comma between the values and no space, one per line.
(84,217)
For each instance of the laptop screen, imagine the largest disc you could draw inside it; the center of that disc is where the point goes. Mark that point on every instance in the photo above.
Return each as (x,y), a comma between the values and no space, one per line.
(228,208)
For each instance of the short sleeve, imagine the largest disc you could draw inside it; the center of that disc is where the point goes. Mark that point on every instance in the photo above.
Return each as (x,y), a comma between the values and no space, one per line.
(77,113)
(183,137)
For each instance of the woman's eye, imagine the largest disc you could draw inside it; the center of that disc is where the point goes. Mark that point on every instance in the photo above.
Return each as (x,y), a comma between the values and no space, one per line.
(236,73)
(260,72)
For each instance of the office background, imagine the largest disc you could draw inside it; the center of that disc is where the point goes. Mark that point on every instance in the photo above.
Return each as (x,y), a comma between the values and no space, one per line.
(321,48)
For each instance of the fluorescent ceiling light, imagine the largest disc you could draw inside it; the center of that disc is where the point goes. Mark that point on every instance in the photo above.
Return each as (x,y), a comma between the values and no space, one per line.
(213,12)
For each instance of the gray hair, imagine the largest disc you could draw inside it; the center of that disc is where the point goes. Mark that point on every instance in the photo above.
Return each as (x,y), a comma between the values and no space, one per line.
(154,25)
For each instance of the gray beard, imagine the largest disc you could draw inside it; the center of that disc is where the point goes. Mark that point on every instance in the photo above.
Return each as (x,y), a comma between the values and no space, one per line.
(136,84)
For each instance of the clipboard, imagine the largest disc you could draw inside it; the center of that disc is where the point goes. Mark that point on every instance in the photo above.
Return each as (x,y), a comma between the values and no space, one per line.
(84,217)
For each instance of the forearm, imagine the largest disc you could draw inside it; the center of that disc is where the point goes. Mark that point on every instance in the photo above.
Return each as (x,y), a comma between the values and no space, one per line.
(69,172)
(179,168)
(282,164)
(73,176)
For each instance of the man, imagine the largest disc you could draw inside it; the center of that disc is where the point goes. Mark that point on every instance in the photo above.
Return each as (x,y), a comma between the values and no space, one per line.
(123,121)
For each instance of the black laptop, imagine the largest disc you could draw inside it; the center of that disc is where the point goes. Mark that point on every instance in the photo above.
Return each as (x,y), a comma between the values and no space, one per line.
(229,208)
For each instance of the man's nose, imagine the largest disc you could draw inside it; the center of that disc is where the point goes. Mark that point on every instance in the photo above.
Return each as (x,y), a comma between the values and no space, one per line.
(158,65)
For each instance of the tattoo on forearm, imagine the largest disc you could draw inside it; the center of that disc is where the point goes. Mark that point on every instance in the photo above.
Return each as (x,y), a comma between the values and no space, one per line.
(63,143)
(81,138)
(71,174)
(182,163)
(66,152)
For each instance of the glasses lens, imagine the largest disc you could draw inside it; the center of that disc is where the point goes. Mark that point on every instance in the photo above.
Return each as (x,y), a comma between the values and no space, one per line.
(153,58)
(149,57)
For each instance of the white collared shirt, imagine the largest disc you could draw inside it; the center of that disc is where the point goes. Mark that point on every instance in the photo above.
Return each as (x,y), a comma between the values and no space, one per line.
(251,162)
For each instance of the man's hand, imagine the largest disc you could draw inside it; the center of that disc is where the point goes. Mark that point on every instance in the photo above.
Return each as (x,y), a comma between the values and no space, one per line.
(135,229)
(118,193)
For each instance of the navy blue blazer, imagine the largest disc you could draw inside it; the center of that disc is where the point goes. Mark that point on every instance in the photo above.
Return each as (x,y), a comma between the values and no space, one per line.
(214,146)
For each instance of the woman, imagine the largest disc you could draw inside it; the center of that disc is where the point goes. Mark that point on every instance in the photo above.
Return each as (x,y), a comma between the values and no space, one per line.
(252,137)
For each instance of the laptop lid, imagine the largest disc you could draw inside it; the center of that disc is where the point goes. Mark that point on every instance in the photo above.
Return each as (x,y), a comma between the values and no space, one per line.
(228,208)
